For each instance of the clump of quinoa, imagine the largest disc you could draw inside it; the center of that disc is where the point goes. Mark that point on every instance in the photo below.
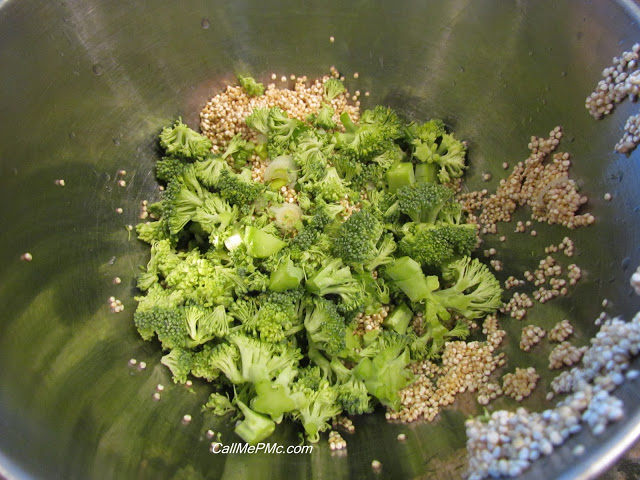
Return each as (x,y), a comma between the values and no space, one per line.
(520,384)
(565,355)
(531,336)
(541,182)
(561,331)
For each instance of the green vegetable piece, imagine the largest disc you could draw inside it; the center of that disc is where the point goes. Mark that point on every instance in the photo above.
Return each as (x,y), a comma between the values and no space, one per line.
(286,277)
(399,175)
(399,318)
(253,88)
(255,427)
(408,276)
(426,173)
(261,244)
(272,400)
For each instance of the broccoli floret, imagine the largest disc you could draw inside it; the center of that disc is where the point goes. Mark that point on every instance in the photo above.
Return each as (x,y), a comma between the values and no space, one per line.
(407,274)
(282,131)
(181,140)
(210,361)
(387,372)
(375,133)
(169,169)
(353,395)
(255,427)
(236,189)
(219,404)
(239,150)
(262,360)
(315,407)
(431,343)
(334,278)
(286,277)
(179,362)
(325,326)
(205,324)
(152,232)
(331,187)
(167,323)
(323,118)
(422,202)
(311,155)
(357,237)
(259,120)
(208,170)
(475,291)
(332,88)
(253,88)
(431,144)
(214,214)
(436,245)
(278,316)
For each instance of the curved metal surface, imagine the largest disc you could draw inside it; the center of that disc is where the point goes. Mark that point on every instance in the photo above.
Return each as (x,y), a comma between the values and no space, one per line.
(85,88)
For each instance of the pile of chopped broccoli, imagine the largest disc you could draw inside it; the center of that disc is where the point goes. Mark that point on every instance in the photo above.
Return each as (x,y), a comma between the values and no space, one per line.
(259,283)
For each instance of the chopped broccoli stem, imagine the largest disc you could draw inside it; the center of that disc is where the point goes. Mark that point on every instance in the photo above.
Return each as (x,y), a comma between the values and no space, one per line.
(261,244)
(399,175)
(398,320)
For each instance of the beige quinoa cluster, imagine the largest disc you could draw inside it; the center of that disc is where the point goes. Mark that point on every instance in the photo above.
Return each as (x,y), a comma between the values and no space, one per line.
(517,306)
(336,442)
(520,384)
(544,186)
(223,116)
(465,366)
(369,322)
(561,331)
(115,305)
(513,282)
(344,423)
(531,335)
(566,246)
(565,355)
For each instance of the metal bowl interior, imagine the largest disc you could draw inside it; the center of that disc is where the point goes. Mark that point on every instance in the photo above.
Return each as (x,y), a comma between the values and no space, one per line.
(86,86)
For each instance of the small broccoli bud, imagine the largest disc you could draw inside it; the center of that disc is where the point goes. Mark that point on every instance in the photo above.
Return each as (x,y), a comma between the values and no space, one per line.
(253,88)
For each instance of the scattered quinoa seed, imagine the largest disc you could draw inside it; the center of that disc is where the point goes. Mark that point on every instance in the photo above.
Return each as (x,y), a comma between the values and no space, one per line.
(156,396)
(117,280)
(186,419)
(142,365)
(607,196)
(332,39)
(27,257)
(376,466)
(402,437)
(119,210)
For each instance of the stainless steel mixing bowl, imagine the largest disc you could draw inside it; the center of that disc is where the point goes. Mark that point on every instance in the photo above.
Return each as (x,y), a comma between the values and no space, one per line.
(85,87)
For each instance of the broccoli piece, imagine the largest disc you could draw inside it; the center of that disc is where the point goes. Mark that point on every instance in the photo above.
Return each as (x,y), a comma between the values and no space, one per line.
(311,154)
(436,245)
(356,239)
(332,88)
(262,360)
(288,217)
(214,214)
(179,362)
(353,395)
(398,320)
(376,133)
(255,427)
(181,140)
(236,189)
(325,326)
(475,291)
(387,372)
(278,316)
(205,324)
(273,399)
(334,278)
(431,343)
(315,407)
(286,277)
(281,171)
(323,118)
(239,150)
(169,169)
(253,88)
(167,323)
(282,130)
(219,404)
(259,120)
(407,274)
(223,358)
(431,144)
(152,232)
(422,202)
(400,175)
(261,244)
(331,187)
(209,169)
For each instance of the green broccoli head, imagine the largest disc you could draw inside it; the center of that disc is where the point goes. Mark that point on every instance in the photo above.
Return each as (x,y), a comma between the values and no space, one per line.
(434,246)
(253,88)
(325,326)
(182,141)
(357,238)
(422,202)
